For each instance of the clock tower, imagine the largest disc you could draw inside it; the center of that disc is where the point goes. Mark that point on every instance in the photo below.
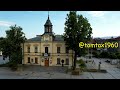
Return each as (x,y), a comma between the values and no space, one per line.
(48,26)
(48,34)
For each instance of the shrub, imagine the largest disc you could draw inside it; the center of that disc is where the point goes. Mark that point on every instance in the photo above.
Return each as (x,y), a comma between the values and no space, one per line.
(113,56)
(104,54)
(12,65)
(118,55)
(82,64)
(2,65)
(96,54)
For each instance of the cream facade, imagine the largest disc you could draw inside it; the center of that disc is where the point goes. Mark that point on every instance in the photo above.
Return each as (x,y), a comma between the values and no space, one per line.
(47,49)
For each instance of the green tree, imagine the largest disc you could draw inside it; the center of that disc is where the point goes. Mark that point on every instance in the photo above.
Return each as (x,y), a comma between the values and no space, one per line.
(82,64)
(77,29)
(5,47)
(11,44)
(118,56)
(96,54)
(104,54)
(113,56)
(1,39)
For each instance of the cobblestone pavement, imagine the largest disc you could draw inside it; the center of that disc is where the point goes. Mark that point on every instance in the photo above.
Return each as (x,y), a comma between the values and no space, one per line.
(45,69)
(7,74)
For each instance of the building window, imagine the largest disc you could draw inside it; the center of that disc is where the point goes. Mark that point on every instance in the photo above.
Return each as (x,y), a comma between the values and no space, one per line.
(36,60)
(50,29)
(46,29)
(46,49)
(58,60)
(67,50)
(67,61)
(32,60)
(28,49)
(28,59)
(36,49)
(58,49)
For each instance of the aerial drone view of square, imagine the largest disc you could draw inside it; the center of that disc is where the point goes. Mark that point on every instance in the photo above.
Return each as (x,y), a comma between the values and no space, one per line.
(59,45)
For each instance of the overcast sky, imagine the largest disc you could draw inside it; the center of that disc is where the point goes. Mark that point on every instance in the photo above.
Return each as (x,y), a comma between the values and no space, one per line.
(104,23)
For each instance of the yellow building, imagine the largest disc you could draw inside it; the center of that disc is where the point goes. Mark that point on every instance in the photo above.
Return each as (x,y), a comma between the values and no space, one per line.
(47,49)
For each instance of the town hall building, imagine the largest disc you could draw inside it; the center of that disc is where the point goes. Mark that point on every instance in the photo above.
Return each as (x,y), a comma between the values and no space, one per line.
(47,49)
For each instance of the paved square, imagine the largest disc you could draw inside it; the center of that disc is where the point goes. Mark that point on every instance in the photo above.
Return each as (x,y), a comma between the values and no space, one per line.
(39,72)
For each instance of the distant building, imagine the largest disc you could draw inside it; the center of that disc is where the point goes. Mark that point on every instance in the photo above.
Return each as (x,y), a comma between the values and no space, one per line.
(111,40)
(117,39)
(47,49)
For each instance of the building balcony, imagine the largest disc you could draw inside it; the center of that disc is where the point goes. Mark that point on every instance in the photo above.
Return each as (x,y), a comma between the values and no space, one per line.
(45,54)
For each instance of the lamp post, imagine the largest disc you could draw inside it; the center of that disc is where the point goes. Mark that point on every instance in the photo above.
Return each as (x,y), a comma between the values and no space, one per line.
(99,66)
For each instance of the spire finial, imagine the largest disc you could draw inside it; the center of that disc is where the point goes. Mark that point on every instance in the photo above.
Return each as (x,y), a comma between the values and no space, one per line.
(48,14)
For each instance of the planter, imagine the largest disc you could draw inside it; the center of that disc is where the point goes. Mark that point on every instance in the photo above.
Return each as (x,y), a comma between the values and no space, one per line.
(103,71)
(75,72)
(95,70)
(92,70)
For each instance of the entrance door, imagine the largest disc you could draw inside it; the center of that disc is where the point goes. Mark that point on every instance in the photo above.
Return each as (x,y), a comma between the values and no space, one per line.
(46,62)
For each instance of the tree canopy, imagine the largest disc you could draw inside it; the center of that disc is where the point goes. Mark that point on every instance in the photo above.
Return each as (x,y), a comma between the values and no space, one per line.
(77,29)
(11,44)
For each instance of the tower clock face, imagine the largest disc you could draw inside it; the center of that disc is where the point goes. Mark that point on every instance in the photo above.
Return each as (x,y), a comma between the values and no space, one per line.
(46,38)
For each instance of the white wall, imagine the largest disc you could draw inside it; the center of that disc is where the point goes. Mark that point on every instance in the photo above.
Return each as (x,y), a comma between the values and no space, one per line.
(3,61)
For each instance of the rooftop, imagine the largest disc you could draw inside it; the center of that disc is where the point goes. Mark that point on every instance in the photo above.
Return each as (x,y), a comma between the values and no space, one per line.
(38,38)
